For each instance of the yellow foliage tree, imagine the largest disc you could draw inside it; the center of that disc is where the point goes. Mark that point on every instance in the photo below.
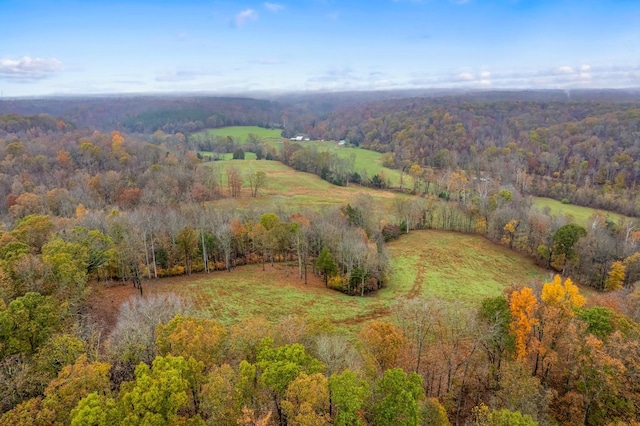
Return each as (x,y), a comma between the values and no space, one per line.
(615,280)
(200,338)
(523,305)
(563,295)
(510,232)
(307,401)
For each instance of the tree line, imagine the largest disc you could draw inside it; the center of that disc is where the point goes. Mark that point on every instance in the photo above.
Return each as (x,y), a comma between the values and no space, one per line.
(534,356)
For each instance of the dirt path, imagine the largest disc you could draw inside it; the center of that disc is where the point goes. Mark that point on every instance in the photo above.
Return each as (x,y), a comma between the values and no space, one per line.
(416,290)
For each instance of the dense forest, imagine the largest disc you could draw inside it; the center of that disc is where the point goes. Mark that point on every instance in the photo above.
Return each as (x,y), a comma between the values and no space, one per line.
(97,192)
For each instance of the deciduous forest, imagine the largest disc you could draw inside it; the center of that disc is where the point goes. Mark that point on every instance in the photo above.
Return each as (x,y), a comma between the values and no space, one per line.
(102,193)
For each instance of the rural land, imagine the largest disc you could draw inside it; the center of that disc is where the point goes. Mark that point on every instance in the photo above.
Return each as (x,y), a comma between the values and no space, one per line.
(351,258)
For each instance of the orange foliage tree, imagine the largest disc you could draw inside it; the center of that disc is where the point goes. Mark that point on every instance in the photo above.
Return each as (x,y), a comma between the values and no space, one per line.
(523,305)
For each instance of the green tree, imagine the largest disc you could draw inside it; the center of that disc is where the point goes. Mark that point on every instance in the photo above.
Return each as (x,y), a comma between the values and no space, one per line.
(497,339)
(348,394)
(100,247)
(27,323)
(33,230)
(96,410)
(69,263)
(280,366)
(161,394)
(395,399)
(326,265)
(564,240)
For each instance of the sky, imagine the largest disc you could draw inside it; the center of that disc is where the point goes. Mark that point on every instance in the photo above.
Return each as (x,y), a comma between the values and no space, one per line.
(67,47)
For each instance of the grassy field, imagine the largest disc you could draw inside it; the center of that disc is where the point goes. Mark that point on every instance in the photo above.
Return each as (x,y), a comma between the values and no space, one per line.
(240,133)
(458,268)
(289,189)
(365,160)
(580,214)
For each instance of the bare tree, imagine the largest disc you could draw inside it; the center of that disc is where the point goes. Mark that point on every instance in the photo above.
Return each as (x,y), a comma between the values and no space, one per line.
(256,181)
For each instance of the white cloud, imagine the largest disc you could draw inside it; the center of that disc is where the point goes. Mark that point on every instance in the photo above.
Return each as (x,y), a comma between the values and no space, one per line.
(29,69)
(485,74)
(244,16)
(585,67)
(466,76)
(565,69)
(274,7)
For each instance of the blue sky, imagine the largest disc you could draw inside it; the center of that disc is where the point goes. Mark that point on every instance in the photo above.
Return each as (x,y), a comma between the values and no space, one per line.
(144,46)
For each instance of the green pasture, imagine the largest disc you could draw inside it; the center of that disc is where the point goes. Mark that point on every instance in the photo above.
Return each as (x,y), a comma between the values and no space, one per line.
(287,189)
(240,133)
(579,214)
(365,160)
(457,268)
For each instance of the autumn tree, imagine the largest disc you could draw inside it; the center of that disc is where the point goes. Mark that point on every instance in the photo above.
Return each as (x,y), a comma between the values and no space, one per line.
(187,243)
(281,366)
(523,305)
(200,338)
(384,342)
(218,396)
(615,280)
(73,383)
(234,182)
(417,318)
(565,295)
(306,400)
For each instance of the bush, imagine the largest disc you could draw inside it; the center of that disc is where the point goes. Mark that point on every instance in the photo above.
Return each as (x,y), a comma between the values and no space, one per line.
(391,232)
(337,283)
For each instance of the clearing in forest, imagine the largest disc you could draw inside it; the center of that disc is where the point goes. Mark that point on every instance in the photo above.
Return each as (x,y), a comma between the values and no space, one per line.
(366,162)
(580,214)
(287,189)
(458,268)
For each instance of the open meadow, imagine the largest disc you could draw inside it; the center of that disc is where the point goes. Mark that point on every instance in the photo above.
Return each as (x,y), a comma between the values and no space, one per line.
(457,268)
(240,133)
(579,214)
(286,188)
(366,161)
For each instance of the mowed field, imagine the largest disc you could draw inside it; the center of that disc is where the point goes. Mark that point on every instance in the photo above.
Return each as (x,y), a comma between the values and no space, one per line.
(240,133)
(580,214)
(457,268)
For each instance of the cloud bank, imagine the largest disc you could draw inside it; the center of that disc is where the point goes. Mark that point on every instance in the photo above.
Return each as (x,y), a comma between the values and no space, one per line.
(29,69)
